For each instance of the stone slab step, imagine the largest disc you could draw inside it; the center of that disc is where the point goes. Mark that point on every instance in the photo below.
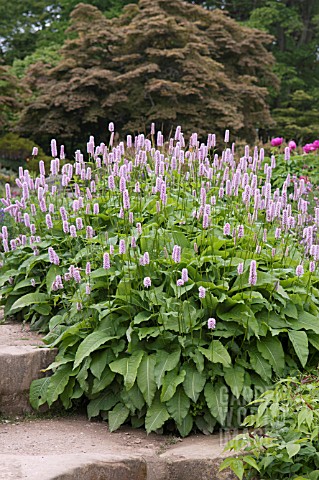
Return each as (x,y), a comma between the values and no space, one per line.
(75,448)
(21,360)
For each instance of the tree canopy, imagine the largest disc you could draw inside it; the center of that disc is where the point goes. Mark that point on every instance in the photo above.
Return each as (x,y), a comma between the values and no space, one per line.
(34,31)
(158,62)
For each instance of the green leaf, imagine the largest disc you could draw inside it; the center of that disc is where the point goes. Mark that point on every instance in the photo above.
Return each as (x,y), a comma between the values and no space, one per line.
(133,398)
(217,400)
(186,426)
(99,360)
(146,378)
(305,321)
(117,416)
(271,349)
(27,300)
(53,271)
(235,464)
(83,374)
(299,341)
(170,382)
(234,377)
(198,359)
(216,353)
(142,317)
(314,340)
(156,415)
(58,382)
(164,363)
(104,381)
(259,364)
(25,283)
(251,461)
(90,343)
(292,449)
(102,403)
(6,275)
(38,392)
(128,367)
(194,381)
(178,405)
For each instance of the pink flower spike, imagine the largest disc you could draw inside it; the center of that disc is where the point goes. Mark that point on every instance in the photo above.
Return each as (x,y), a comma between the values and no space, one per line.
(185,275)
(147,282)
(106,261)
(180,282)
(122,247)
(240,268)
(299,271)
(176,255)
(252,280)
(211,323)
(202,292)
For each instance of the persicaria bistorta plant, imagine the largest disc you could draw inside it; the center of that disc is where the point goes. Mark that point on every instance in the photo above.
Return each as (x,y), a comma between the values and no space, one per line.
(176,281)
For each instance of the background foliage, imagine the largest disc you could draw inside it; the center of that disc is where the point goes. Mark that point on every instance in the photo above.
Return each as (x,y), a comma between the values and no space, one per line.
(33,32)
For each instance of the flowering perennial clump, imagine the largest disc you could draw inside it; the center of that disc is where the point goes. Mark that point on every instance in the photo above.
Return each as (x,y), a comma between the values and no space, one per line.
(177,277)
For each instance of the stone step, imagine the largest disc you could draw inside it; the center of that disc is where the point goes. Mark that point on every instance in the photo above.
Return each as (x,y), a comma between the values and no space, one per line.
(74,448)
(22,357)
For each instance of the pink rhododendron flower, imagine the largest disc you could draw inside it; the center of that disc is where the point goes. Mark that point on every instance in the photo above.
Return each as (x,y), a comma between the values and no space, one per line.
(292,145)
(309,147)
(276,142)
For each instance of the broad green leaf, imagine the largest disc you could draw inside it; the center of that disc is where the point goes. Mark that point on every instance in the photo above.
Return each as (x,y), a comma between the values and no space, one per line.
(292,449)
(156,415)
(103,402)
(216,353)
(271,349)
(58,382)
(186,426)
(314,340)
(299,341)
(290,310)
(117,416)
(27,300)
(164,363)
(53,271)
(235,464)
(170,382)
(178,405)
(43,308)
(25,283)
(66,395)
(133,398)
(194,381)
(234,377)
(198,360)
(6,275)
(83,374)
(90,343)
(217,400)
(99,360)
(128,367)
(306,321)
(104,381)
(146,378)
(38,392)
(259,364)
(142,317)
(251,461)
